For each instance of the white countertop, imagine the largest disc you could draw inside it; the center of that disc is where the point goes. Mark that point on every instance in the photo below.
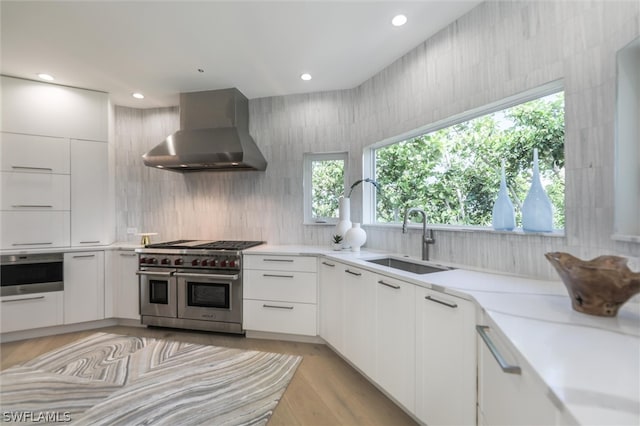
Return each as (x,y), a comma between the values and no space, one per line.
(590,364)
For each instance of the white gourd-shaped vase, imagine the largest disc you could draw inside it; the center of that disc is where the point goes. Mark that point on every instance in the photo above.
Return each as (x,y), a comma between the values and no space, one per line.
(503,218)
(355,237)
(537,211)
(344,216)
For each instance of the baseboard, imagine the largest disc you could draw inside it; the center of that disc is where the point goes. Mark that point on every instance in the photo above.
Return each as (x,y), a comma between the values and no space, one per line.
(283,336)
(69,328)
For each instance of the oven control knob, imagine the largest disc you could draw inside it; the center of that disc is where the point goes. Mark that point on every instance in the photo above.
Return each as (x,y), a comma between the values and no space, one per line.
(195,262)
(178,262)
(165,261)
(224,263)
(213,262)
(232,264)
(152,260)
(143,260)
(205,262)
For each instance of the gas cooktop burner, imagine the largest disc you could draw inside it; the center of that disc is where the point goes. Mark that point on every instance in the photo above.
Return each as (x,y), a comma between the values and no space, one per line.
(205,245)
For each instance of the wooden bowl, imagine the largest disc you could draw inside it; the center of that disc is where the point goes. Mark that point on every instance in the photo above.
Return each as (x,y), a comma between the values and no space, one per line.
(598,286)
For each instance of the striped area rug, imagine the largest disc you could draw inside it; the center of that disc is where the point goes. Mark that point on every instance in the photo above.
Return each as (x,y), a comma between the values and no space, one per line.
(109,379)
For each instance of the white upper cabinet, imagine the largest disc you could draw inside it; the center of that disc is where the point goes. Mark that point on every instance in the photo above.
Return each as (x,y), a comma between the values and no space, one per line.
(37,108)
(34,191)
(89,186)
(34,154)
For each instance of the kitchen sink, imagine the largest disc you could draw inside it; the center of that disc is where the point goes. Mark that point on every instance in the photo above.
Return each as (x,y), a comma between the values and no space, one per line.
(405,265)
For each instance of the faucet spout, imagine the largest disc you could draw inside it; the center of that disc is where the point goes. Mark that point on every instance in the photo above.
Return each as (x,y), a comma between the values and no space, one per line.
(426,239)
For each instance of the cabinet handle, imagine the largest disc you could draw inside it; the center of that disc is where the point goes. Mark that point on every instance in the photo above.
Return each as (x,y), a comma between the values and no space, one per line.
(433,299)
(40,206)
(397,287)
(357,274)
(277,276)
(89,242)
(31,244)
(329,264)
(277,307)
(32,168)
(277,260)
(24,298)
(80,256)
(128,254)
(510,369)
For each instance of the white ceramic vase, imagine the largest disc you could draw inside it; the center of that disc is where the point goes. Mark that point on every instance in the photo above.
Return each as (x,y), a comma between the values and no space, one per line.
(355,237)
(344,217)
(503,218)
(537,211)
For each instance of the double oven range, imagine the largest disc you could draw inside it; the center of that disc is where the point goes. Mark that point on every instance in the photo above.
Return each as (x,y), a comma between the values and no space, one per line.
(192,284)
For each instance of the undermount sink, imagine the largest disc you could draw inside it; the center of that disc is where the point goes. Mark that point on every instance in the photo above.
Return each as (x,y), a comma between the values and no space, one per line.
(408,266)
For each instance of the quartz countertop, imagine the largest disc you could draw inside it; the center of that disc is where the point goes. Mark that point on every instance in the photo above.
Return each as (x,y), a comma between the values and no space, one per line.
(590,364)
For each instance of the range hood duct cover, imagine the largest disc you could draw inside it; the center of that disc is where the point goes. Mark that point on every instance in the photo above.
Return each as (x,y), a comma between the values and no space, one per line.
(213,136)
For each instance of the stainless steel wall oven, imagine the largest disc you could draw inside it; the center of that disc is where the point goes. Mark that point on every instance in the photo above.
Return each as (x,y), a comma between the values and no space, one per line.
(192,284)
(31,273)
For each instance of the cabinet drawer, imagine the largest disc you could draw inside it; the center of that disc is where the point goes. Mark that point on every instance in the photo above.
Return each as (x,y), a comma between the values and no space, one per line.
(280,317)
(35,154)
(281,263)
(28,229)
(279,285)
(34,191)
(23,312)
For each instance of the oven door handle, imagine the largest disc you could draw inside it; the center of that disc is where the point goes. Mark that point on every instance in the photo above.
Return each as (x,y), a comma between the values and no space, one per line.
(208,276)
(156,273)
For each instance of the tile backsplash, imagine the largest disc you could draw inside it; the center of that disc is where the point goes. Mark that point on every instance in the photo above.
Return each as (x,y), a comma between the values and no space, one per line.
(497,50)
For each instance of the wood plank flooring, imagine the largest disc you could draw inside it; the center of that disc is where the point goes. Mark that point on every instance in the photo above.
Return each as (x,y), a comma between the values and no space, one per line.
(324,391)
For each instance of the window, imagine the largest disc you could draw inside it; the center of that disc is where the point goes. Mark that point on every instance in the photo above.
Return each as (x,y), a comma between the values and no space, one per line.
(324,182)
(452,171)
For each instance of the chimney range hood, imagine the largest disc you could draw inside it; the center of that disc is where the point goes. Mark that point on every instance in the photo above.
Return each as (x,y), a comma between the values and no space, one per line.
(213,136)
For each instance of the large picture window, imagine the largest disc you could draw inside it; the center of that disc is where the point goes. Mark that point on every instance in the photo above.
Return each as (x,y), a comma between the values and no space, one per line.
(452,172)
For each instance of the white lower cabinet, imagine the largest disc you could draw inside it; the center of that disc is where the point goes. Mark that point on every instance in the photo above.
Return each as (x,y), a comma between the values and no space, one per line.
(83,286)
(395,339)
(510,394)
(280,294)
(445,359)
(123,283)
(331,303)
(359,321)
(23,312)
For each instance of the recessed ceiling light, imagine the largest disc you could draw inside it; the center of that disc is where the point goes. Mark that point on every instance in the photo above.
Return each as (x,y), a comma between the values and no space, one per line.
(306,76)
(44,76)
(399,20)
(138,95)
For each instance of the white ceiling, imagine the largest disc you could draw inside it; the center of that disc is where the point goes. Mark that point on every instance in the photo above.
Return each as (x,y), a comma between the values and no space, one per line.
(260,47)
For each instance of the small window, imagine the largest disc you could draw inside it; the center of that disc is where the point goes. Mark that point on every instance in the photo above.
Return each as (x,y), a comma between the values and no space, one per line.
(324,182)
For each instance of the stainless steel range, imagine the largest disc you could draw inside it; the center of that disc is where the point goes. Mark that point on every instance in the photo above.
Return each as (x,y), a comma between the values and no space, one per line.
(192,284)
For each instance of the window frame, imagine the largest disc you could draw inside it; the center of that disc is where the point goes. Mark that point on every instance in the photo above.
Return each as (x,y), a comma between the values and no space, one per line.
(308,159)
(369,201)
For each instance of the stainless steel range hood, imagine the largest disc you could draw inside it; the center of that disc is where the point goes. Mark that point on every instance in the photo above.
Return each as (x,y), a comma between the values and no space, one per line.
(213,136)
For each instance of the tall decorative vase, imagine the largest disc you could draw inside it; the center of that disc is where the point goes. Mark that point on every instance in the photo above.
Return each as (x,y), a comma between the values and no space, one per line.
(355,237)
(503,218)
(344,216)
(537,211)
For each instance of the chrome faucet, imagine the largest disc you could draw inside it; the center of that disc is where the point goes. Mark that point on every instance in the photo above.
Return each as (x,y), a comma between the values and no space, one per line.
(426,240)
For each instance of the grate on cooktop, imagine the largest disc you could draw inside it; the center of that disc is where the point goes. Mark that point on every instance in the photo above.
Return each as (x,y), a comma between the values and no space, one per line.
(229,245)
(168,244)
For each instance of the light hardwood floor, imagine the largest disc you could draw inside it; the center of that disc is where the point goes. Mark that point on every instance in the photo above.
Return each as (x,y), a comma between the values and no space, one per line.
(324,391)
